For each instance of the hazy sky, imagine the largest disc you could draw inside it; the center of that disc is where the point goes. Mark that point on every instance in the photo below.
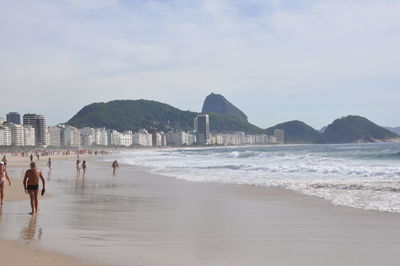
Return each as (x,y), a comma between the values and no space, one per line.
(277,60)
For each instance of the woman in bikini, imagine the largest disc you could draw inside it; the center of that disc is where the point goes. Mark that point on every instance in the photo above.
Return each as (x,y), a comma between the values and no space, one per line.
(3,178)
(84,167)
(78,167)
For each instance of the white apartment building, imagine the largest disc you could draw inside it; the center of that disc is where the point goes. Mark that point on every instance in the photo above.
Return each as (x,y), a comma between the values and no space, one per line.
(5,136)
(55,136)
(47,137)
(176,138)
(29,136)
(143,138)
(100,136)
(121,139)
(17,134)
(87,134)
(280,136)
(70,137)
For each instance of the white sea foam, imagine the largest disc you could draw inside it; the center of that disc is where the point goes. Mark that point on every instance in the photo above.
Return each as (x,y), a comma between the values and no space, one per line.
(361,176)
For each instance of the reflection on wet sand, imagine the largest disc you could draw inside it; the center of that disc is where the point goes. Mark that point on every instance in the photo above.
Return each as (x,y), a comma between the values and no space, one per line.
(31,231)
(80,183)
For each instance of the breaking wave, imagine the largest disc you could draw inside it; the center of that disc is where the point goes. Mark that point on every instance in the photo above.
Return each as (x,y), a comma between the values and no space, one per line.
(359,175)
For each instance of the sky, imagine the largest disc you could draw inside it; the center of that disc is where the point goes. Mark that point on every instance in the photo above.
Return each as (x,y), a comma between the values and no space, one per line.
(277,60)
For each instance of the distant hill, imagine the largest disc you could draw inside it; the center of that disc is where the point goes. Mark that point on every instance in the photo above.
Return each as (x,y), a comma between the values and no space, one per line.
(216,103)
(355,129)
(132,115)
(135,114)
(394,129)
(296,132)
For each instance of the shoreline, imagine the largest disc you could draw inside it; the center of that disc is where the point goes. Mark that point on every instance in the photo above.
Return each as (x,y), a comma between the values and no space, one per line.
(238,225)
(29,254)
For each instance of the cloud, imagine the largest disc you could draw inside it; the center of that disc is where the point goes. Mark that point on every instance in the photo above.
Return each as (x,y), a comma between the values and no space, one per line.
(179,51)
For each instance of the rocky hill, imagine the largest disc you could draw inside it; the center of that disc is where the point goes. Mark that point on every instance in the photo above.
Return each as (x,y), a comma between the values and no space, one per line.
(135,114)
(355,129)
(296,132)
(216,103)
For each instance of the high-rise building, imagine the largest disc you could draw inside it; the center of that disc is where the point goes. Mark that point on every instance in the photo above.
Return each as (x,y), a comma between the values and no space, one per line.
(279,134)
(55,136)
(17,134)
(29,136)
(38,122)
(14,117)
(202,123)
(70,137)
(5,136)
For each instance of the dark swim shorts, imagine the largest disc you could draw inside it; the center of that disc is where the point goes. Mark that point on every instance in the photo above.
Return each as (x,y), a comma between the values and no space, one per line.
(33,187)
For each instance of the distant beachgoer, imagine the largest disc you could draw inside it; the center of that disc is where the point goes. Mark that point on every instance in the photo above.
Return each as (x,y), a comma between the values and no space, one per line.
(114,166)
(31,185)
(84,167)
(78,167)
(4,160)
(31,157)
(3,178)
(38,156)
(49,163)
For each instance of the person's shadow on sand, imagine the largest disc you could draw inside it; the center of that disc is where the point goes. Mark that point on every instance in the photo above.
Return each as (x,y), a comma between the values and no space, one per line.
(30,232)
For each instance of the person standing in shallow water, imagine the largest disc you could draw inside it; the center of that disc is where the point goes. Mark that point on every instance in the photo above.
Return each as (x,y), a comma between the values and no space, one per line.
(114,166)
(49,163)
(31,185)
(78,167)
(3,178)
(84,167)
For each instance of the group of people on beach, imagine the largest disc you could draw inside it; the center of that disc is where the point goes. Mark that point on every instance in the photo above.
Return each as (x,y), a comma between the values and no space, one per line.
(32,178)
(79,167)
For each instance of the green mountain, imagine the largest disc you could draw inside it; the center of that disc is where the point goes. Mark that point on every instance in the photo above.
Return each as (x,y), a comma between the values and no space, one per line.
(216,103)
(135,114)
(355,129)
(296,132)
(394,129)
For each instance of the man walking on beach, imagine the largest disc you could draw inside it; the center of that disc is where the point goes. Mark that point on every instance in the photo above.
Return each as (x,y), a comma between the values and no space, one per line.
(31,185)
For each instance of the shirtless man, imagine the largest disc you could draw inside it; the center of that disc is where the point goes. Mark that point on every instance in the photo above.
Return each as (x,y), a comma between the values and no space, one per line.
(31,185)
(3,177)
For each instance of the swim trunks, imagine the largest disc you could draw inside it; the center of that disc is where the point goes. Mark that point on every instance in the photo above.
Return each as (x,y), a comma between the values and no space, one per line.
(32,187)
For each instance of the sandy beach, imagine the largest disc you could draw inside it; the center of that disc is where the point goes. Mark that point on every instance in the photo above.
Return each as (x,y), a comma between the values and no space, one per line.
(164,221)
(17,253)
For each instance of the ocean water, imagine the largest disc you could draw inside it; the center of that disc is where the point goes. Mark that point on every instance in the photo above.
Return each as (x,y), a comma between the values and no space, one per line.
(363,176)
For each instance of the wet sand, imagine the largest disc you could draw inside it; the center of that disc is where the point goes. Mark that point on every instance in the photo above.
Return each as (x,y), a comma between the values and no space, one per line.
(157,220)
(14,252)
